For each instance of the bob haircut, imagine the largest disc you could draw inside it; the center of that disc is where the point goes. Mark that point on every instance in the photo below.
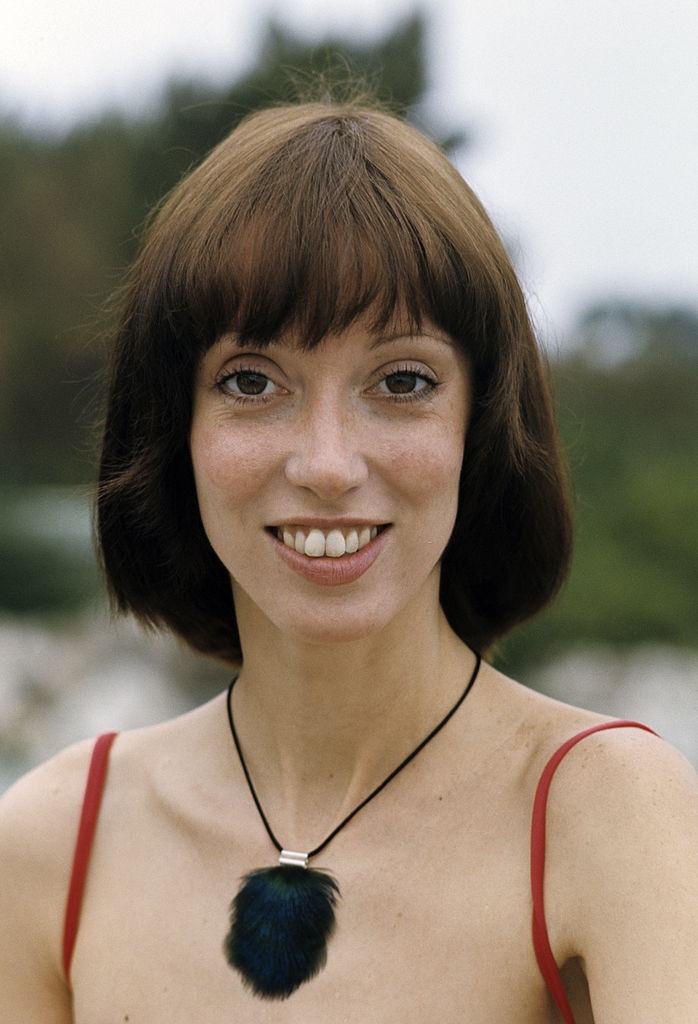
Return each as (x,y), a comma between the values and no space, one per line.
(304,218)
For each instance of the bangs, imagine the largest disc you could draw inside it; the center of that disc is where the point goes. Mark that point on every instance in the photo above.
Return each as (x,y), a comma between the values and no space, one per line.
(316,237)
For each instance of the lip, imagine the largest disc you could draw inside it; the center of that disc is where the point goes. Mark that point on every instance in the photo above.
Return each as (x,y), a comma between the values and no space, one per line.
(331,572)
(327,524)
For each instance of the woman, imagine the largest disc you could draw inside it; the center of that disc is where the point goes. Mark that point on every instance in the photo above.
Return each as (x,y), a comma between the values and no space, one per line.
(330,461)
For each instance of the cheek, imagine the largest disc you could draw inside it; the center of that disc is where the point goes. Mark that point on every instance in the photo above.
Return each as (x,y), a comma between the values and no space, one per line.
(430,467)
(226,472)
(426,477)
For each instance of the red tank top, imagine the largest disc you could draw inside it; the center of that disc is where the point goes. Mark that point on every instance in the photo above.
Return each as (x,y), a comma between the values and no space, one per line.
(544,956)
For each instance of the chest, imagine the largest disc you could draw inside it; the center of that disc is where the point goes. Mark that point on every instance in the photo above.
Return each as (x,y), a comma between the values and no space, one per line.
(433,923)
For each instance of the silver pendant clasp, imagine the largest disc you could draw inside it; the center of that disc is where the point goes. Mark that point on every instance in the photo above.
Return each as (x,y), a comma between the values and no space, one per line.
(300,860)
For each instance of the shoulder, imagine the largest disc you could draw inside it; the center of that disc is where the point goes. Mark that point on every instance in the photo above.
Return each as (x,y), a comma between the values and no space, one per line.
(630,789)
(40,812)
(39,817)
(621,782)
(41,808)
(622,831)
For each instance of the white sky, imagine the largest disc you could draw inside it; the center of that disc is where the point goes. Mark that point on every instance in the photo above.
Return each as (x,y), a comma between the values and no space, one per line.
(584,111)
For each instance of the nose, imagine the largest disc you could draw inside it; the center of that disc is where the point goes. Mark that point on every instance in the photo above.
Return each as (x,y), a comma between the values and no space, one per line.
(326,455)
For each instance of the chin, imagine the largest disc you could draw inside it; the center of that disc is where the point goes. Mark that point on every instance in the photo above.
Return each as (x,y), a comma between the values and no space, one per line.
(328,631)
(335,615)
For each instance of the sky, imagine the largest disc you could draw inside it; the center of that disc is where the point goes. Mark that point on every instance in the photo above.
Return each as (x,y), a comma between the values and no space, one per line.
(582,114)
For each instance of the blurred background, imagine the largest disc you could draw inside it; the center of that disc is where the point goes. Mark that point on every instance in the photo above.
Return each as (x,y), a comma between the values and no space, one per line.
(576,126)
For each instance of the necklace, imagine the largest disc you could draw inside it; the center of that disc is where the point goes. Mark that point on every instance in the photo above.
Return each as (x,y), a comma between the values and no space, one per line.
(282,917)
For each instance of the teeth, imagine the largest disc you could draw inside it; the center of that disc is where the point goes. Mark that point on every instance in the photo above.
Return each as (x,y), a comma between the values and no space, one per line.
(333,544)
(315,543)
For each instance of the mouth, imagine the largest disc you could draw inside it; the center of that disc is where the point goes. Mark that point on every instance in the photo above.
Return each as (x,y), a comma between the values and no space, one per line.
(331,569)
(328,542)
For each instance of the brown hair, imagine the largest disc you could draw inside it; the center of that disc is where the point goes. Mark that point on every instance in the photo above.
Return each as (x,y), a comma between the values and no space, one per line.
(305,217)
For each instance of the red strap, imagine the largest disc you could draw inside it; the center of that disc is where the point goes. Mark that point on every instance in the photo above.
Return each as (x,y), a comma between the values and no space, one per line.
(541,944)
(88,822)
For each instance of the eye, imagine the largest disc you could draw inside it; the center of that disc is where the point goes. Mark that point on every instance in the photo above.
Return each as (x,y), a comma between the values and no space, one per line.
(405,380)
(250,386)
(246,385)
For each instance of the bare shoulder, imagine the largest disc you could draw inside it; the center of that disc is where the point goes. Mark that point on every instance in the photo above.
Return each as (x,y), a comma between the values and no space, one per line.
(615,776)
(623,828)
(626,787)
(607,774)
(621,833)
(39,813)
(39,816)
(621,819)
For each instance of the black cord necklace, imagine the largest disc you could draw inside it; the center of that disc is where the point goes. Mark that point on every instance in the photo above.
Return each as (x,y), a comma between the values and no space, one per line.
(282,917)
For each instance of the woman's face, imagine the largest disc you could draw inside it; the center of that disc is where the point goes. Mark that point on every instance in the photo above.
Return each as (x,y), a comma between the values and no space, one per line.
(354,430)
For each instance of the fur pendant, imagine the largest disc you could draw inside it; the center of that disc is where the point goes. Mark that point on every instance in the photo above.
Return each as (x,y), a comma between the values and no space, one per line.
(280,922)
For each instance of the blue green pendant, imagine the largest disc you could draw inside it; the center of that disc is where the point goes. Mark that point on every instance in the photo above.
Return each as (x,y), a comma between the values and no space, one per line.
(280,922)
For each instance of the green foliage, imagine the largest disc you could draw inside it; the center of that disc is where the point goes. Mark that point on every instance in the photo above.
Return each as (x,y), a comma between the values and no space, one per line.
(631,434)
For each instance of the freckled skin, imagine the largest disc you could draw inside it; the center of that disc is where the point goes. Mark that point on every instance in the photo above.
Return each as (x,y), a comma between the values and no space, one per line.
(331,441)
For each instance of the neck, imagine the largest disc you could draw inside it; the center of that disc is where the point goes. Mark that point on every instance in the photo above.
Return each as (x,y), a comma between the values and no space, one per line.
(320,725)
